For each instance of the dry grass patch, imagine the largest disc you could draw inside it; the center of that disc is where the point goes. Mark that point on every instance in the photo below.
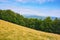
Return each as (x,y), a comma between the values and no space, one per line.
(10,31)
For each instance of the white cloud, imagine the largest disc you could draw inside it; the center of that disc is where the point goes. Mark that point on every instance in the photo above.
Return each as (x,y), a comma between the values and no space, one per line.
(51,12)
(34,1)
(43,1)
(40,12)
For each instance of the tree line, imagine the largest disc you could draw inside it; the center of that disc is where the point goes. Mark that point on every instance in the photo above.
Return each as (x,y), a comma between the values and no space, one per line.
(47,25)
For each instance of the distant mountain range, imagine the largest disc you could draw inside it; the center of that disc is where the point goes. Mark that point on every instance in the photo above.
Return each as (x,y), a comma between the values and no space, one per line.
(34,16)
(38,17)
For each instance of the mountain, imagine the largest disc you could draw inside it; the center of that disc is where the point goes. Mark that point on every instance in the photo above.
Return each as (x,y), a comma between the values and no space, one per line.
(10,31)
(38,17)
(34,16)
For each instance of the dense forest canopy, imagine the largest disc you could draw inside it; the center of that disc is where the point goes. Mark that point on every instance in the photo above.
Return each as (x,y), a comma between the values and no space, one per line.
(47,25)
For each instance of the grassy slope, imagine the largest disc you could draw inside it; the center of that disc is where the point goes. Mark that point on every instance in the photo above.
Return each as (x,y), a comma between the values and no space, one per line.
(10,31)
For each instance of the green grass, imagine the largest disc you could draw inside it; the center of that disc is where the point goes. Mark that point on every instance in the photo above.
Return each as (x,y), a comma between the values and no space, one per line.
(10,31)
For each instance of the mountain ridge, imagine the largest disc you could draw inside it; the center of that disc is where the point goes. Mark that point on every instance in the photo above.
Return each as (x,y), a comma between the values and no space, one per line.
(39,17)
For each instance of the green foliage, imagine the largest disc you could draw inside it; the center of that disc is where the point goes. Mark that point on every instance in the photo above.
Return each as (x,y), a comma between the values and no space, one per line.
(47,24)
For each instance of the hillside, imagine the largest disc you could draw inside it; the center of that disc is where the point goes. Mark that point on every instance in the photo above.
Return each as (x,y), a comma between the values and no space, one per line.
(46,25)
(10,31)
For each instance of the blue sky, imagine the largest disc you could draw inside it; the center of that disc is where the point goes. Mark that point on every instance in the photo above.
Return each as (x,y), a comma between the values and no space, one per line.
(33,7)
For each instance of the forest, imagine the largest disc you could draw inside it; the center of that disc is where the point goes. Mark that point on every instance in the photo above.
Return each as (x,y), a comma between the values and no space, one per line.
(46,25)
